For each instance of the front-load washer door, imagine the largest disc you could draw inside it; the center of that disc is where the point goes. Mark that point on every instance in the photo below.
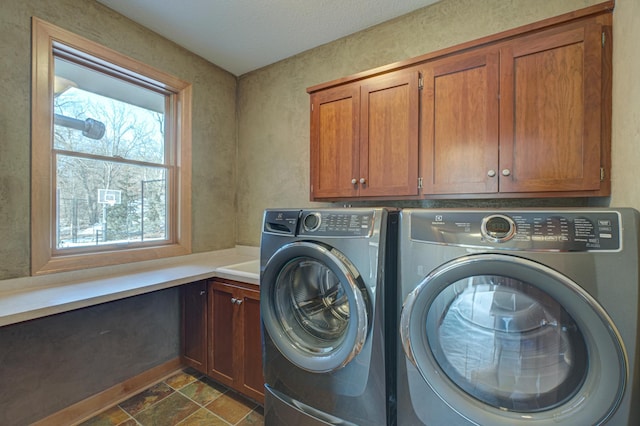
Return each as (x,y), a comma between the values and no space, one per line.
(502,339)
(314,306)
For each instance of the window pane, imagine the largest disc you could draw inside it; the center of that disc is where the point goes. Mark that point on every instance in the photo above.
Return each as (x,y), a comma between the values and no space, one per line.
(109,202)
(101,115)
(111,154)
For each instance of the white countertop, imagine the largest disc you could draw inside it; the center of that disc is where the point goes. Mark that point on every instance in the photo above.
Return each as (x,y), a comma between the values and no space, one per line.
(27,298)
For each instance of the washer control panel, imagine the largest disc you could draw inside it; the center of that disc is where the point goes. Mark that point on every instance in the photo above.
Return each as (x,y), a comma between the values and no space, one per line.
(343,223)
(521,230)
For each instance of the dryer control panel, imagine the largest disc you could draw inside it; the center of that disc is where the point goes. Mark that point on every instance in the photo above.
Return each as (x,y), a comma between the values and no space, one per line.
(521,230)
(339,223)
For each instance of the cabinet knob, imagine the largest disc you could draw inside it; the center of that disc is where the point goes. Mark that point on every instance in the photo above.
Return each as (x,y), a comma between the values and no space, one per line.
(363,180)
(506,172)
(491,173)
(234,300)
(354,181)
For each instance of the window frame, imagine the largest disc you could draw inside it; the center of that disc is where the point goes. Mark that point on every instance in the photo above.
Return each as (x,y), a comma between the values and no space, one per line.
(45,258)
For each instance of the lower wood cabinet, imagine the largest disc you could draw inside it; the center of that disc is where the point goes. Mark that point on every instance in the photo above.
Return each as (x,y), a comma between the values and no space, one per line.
(193,351)
(221,333)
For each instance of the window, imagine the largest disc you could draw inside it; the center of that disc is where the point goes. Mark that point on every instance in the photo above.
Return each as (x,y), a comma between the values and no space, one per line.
(111,156)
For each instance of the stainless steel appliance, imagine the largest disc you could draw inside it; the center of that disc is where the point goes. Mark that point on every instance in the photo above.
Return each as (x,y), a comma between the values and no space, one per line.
(526,317)
(324,274)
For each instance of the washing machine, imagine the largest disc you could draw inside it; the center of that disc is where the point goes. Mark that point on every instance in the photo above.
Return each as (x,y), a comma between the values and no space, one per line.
(325,275)
(519,317)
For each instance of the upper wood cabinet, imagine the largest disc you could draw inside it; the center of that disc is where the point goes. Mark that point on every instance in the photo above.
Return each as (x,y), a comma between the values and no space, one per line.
(364,138)
(459,118)
(524,116)
(525,113)
(551,110)
(335,142)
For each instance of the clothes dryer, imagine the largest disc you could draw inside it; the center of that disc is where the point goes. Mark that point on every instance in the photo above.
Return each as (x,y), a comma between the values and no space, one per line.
(324,279)
(526,317)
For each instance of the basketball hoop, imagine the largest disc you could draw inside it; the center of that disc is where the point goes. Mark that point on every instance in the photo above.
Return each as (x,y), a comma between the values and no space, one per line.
(109,196)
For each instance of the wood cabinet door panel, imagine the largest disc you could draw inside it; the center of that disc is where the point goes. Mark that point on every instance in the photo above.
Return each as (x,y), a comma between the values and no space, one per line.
(194,325)
(235,354)
(253,378)
(222,333)
(335,127)
(460,124)
(389,135)
(551,112)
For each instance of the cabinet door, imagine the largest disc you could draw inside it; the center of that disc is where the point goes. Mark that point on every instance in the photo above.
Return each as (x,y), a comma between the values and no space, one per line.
(252,382)
(459,145)
(335,126)
(235,357)
(194,325)
(389,135)
(222,332)
(551,111)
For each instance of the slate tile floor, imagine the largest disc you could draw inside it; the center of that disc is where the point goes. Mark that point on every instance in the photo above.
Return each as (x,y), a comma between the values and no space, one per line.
(186,398)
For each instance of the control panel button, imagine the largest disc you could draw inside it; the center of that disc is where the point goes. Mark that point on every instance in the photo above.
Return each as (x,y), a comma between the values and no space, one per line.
(498,228)
(311,222)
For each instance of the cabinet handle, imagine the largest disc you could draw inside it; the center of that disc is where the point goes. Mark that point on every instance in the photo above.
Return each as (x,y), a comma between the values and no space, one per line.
(506,172)
(202,292)
(491,173)
(354,181)
(363,181)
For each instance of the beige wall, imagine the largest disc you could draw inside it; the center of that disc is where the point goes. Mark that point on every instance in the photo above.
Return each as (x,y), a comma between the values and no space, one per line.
(625,177)
(273,106)
(214,119)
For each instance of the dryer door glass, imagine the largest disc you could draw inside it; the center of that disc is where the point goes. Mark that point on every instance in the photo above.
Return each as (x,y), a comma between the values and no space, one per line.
(506,343)
(314,305)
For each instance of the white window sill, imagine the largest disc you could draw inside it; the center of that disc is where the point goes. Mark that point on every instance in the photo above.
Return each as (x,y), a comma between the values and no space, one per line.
(27,298)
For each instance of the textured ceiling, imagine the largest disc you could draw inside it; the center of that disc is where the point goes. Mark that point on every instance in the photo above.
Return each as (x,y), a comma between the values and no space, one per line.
(244,35)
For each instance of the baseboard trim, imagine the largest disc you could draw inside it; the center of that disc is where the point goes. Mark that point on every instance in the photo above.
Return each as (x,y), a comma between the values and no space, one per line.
(92,405)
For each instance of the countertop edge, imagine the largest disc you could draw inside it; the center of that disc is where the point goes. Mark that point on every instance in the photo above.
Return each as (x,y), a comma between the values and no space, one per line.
(27,298)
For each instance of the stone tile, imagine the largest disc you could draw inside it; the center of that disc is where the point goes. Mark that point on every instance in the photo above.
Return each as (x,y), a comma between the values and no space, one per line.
(168,412)
(202,392)
(111,417)
(203,417)
(145,399)
(254,418)
(183,378)
(231,407)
